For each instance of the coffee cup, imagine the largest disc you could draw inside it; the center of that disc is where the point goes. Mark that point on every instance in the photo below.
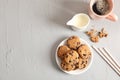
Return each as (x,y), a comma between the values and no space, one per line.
(109,12)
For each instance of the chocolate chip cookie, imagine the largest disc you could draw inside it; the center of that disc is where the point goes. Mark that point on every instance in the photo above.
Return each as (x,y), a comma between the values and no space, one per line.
(73,42)
(71,57)
(82,63)
(84,51)
(62,50)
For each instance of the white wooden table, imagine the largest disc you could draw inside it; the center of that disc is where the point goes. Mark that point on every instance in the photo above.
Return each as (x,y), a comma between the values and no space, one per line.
(30,31)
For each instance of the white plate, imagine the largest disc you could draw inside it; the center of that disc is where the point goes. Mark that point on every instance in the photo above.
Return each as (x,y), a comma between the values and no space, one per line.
(78,71)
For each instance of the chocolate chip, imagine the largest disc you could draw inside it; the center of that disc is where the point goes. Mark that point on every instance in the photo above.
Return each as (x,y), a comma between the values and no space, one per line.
(106,35)
(71,54)
(84,54)
(82,62)
(77,67)
(66,56)
(66,68)
(76,58)
(77,63)
(84,66)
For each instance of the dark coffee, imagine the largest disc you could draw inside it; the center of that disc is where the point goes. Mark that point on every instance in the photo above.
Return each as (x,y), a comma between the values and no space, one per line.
(101,7)
(94,7)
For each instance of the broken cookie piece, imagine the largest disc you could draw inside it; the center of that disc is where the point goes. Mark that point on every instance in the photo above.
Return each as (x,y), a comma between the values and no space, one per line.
(93,35)
(96,35)
(94,38)
(91,32)
(103,33)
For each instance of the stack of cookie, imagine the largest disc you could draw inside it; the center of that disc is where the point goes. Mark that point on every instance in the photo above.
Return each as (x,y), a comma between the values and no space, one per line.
(74,55)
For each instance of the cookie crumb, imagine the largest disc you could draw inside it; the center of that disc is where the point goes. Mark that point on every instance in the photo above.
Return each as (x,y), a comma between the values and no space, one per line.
(96,35)
(91,32)
(103,33)
(94,39)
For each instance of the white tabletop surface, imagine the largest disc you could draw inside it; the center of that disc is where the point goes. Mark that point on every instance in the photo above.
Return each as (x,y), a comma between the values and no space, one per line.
(30,31)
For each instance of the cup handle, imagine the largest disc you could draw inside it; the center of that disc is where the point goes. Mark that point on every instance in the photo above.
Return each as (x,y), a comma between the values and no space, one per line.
(112,17)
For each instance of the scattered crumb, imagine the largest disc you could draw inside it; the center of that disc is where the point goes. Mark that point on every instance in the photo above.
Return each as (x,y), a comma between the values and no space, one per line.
(103,33)
(96,35)
(91,32)
(94,39)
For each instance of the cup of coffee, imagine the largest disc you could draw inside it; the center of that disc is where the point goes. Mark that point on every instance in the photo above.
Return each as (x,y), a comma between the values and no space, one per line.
(99,9)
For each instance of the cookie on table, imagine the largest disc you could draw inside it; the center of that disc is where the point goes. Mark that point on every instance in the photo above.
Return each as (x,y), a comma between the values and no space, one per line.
(73,42)
(84,51)
(82,63)
(66,66)
(103,33)
(94,39)
(91,32)
(62,50)
(71,57)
